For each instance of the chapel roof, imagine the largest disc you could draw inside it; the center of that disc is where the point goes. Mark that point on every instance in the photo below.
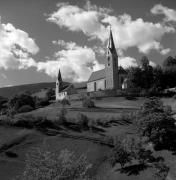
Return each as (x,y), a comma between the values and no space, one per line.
(101,74)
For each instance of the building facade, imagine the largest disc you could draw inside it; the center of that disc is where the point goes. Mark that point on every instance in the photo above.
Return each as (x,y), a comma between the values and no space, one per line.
(112,77)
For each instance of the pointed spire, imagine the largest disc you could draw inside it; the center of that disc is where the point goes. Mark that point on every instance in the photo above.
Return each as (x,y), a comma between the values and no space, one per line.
(59,76)
(111,45)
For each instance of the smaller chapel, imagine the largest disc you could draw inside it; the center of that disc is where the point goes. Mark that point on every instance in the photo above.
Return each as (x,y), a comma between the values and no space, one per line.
(63,89)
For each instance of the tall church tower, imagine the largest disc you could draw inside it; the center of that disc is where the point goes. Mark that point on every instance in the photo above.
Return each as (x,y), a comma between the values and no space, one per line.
(59,84)
(111,68)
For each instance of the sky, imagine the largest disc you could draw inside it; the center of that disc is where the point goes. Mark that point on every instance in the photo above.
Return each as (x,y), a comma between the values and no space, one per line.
(39,37)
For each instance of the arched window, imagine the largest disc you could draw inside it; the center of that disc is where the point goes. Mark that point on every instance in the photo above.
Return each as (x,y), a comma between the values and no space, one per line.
(122,79)
(108,61)
(95,86)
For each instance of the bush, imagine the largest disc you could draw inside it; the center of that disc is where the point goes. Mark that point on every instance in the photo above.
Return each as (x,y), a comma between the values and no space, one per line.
(25,108)
(62,116)
(41,102)
(88,103)
(130,97)
(50,94)
(83,121)
(46,165)
(20,100)
(128,150)
(65,102)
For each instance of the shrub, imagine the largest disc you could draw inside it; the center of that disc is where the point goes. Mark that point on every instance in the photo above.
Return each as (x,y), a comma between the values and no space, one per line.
(25,108)
(62,116)
(152,105)
(130,97)
(119,154)
(11,111)
(41,102)
(50,94)
(65,102)
(130,149)
(20,100)
(46,165)
(83,121)
(161,170)
(88,103)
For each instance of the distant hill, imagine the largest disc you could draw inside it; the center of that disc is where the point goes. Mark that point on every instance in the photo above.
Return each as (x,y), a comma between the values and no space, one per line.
(33,88)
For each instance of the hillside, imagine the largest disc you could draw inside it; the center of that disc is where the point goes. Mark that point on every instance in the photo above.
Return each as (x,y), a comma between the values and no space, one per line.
(33,88)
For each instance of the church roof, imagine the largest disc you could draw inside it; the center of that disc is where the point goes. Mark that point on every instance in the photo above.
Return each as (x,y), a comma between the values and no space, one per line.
(101,74)
(97,75)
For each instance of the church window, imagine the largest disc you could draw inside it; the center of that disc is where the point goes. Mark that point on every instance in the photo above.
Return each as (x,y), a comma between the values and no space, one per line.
(95,86)
(115,62)
(122,79)
(108,61)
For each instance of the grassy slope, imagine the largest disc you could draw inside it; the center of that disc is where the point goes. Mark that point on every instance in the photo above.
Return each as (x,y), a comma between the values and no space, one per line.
(10,167)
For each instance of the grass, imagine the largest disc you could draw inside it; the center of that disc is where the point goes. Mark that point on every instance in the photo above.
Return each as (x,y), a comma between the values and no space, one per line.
(106,108)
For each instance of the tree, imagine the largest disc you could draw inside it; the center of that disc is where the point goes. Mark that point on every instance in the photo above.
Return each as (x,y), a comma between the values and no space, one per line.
(3,101)
(155,122)
(169,62)
(18,101)
(141,77)
(50,94)
(144,62)
(134,77)
(147,73)
(158,83)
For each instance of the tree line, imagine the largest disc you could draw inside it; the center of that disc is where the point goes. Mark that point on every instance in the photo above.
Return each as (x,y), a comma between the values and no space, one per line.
(153,79)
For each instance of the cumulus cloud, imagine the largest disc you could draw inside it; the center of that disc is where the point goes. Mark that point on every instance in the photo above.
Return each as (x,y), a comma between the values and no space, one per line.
(76,62)
(153,64)
(159,9)
(16,47)
(79,19)
(127,32)
(165,51)
(127,62)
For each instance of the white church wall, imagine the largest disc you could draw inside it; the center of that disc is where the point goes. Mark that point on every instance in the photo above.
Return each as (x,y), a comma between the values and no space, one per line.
(62,95)
(96,85)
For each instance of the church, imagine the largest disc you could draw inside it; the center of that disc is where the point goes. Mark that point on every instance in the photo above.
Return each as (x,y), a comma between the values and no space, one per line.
(112,77)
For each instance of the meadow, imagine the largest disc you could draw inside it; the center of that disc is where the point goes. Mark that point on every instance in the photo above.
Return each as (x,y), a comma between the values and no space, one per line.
(15,142)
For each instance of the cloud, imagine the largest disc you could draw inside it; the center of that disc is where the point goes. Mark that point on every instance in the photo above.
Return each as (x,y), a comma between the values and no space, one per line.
(159,9)
(153,64)
(127,32)
(16,48)
(127,62)
(165,51)
(137,33)
(78,19)
(76,62)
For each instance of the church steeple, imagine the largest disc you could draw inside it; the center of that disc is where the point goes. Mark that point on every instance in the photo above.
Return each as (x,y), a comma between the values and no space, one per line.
(59,77)
(111,64)
(111,45)
(59,83)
